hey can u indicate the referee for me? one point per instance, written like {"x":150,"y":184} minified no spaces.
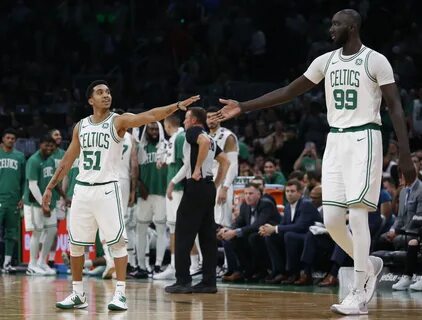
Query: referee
{"x":195,"y":214}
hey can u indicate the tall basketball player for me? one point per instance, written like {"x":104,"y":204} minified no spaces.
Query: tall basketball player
{"x":356,"y":79}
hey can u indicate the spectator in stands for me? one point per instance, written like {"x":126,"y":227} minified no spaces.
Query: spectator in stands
{"x":308,"y":159}
{"x":248,"y":245}
{"x":410,"y":204}
{"x":311,"y":180}
{"x":299,"y":214}
{"x":291,"y":149}
{"x":298,"y":175}
{"x":272,"y":176}
{"x":245,"y":169}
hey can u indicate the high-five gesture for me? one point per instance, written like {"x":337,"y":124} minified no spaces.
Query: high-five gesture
{"x":231,"y":109}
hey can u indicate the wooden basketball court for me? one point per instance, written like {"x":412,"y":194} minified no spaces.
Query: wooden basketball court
{"x":24,"y":297}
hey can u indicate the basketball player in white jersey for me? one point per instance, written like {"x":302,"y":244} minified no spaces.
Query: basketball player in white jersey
{"x":356,"y":79}
{"x":97,"y":199}
{"x":227,"y":141}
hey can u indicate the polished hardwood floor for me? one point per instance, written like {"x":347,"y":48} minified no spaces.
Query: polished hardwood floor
{"x":24,"y":297}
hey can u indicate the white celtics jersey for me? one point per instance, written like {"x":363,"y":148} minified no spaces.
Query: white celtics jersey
{"x":352,"y":85}
{"x":124,"y":166}
{"x":220,"y":137}
{"x":101,"y":151}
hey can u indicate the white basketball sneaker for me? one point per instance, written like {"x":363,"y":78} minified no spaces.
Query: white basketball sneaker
{"x":73,"y":301}
{"x":417,"y":286}
{"x":48,"y":271}
{"x":34,"y":270}
{"x":118,"y":303}
{"x":375,"y":266}
{"x":353,"y":304}
{"x":403,"y":284}
{"x":168,"y":274}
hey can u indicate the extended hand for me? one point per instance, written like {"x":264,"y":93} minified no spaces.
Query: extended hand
{"x":231,"y":109}
{"x":182,"y":105}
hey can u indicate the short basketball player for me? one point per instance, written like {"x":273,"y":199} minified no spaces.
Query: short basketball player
{"x":97,"y":199}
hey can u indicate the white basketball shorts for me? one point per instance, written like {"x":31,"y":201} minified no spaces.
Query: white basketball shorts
{"x":96,"y":207}
{"x":352,"y":169}
{"x":35,"y":219}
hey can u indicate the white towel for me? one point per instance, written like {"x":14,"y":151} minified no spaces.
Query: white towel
{"x":318,"y":228}
{"x":161,"y":146}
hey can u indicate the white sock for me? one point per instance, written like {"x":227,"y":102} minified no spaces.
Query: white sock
{"x":7,"y":260}
{"x":50,"y":233}
{"x":131,"y":238}
{"x":78,"y":287}
{"x":198,"y":247}
{"x":161,"y":229}
{"x":121,"y":287}
{"x":358,"y":221}
{"x":194,"y":261}
{"x":172,"y":261}
{"x":34,"y":247}
{"x":335,"y":222}
{"x":141,"y":240}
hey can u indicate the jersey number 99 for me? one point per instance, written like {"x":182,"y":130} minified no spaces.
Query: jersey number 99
{"x":345,"y":99}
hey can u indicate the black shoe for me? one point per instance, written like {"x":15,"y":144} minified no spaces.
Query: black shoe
{"x":179,"y":288}
{"x":204,"y":288}
{"x":50,"y":263}
{"x":130,"y":269}
{"x":139,"y":274}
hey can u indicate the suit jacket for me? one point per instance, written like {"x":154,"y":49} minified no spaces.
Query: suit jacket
{"x":305,"y":216}
{"x":413,"y":207}
{"x":266,"y":212}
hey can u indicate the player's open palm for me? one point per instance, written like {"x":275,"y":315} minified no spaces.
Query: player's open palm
{"x":186,"y":103}
{"x":231,"y":109}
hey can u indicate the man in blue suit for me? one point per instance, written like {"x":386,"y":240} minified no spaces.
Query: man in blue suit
{"x":299,"y":215}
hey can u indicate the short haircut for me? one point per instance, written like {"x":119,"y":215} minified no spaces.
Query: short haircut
{"x":272,"y":160}
{"x":297,"y":174}
{"x":9,"y":131}
{"x":257,"y":186}
{"x":47,"y":139}
{"x":295,"y":182}
{"x":200,"y":114}
{"x":90,"y":89}
{"x":354,"y":17}
{"x":173,"y":119}
{"x":212,"y":109}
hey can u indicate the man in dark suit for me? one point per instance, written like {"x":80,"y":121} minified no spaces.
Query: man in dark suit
{"x":299,"y":215}
{"x":248,"y":245}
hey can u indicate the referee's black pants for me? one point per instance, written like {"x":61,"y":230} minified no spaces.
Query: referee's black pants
{"x":195,"y":215}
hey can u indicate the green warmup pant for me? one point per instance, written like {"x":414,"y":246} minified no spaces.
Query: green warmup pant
{"x":9,"y":218}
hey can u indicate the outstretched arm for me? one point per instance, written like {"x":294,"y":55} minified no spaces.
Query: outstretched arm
{"x":129,"y":120}
{"x":395,"y":110}
{"x":233,"y":108}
